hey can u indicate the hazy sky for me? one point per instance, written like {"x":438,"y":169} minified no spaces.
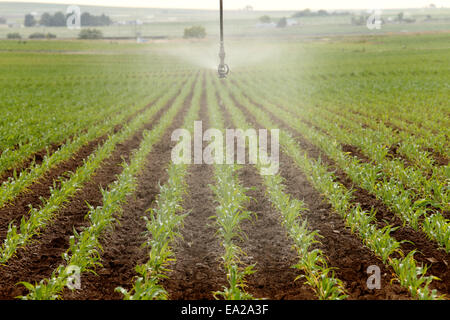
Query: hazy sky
{"x":257,"y":4}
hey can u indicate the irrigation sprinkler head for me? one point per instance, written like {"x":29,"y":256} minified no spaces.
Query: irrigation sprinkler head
{"x":223,"y":71}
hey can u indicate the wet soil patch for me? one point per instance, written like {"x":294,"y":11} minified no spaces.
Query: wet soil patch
{"x":37,"y":158}
{"x":269,"y":247}
{"x":267,"y":243}
{"x":197,"y":271}
{"x":440,"y":160}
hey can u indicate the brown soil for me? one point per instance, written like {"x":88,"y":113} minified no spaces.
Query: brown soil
{"x":440,"y":160}
{"x":393,"y":153}
{"x":37,"y":157}
{"x":41,"y":256}
{"x":438,"y":259}
{"x":267,"y":243}
{"x":343,"y":249}
{"x":122,"y":247}
{"x":269,"y":247}
{"x":428,"y":252}
{"x":41,"y":189}
{"x":355,"y":152}
{"x":197,"y":271}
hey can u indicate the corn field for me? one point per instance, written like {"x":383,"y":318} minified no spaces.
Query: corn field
{"x":89,"y":189}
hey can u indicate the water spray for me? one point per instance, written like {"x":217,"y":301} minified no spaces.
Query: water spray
{"x":223,"y":69}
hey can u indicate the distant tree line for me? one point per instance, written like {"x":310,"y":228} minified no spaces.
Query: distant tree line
{"x":14,"y":35}
{"x":198,"y":32}
{"x":60,"y":20}
{"x":265,"y":19}
{"x":400,"y":18}
{"x":282,"y":23}
{"x":88,"y":19}
{"x":39,"y":35}
{"x":90,"y":34}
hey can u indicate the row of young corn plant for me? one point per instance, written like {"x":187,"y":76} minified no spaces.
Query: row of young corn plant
{"x":411,"y":147}
{"x":163,"y":223}
{"x":85,"y":249}
{"x":310,"y":93}
{"x":391,"y":88}
{"x":18,"y":183}
{"x":73,"y":121}
{"x":312,"y":261}
{"x":375,"y":144}
{"x":39,"y":217}
{"x":402,"y":201}
{"x":431,"y":191}
{"x":231,"y":201}
{"x":425,"y":139}
{"x":401,"y":108}
{"x":408,"y":272}
{"x":370,"y":177}
{"x":425,"y":191}
{"x":403,"y":105}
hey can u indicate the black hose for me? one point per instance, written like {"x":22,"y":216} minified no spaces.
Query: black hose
{"x":221,"y":21}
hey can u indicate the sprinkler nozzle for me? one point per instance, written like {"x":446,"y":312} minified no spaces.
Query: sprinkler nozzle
{"x":223,"y":70}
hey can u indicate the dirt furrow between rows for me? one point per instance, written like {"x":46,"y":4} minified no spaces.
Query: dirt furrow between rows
{"x":197,"y":271}
{"x":38,"y":156}
{"x":43,"y":255}
{"x":267,"y":243}
{"x":122,"y":246}
{"x":41,"y":189}
{"x":428,"y":253}
{"x":269,"y":247}
{"x":392,"y":153}
{"x":343,"y":249}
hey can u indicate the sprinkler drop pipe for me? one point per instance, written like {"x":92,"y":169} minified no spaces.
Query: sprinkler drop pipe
{"x":223,"y":69}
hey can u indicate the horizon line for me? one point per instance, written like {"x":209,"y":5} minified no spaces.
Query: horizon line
{"x":209,"y":9}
